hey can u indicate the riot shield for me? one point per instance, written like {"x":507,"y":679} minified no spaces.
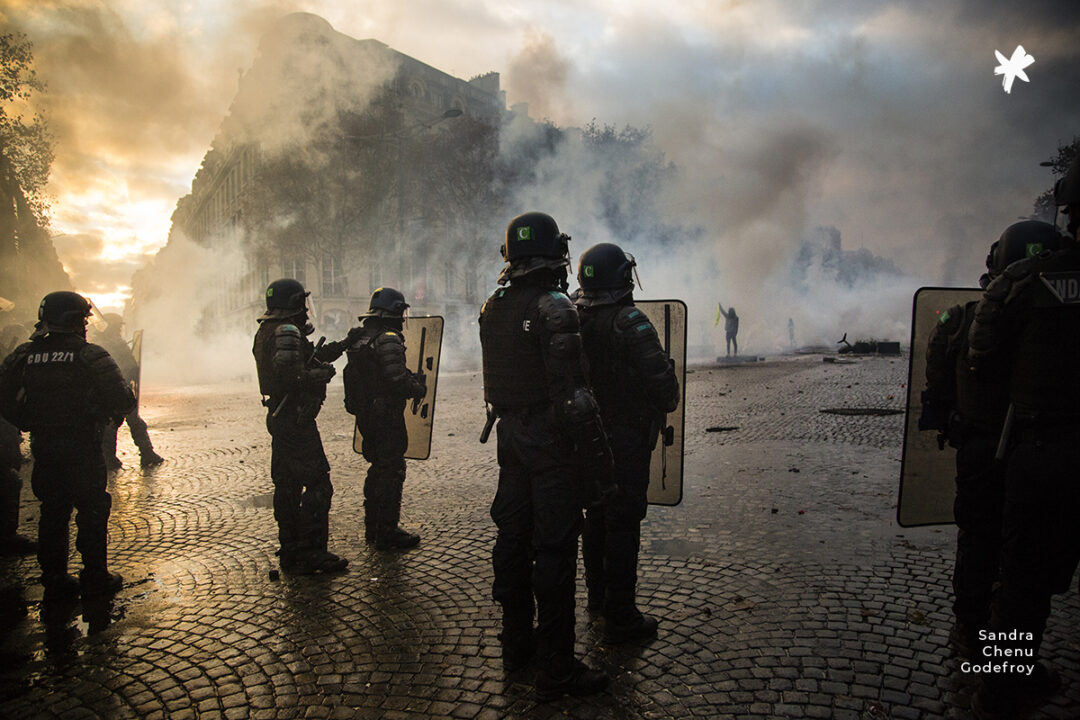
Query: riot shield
{"x":136,"y":350}
{"x":423,"y":343}
{"x":927,"y":473}
{"x":666,"y":463}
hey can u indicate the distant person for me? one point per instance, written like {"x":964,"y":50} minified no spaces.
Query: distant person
{"x":791,"y":332}
{"x":63,"y":390}
{"x":112,"y":339}
{"x":731,"y":328}
{"x":377,"y":386}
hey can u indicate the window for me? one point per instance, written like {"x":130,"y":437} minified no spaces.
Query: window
{"x":333,"y":282}
{"x":294,"y":268}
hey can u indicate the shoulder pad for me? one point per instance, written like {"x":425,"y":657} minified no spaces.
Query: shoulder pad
{"x":16,"y":357}
{"x":950,"y":320}
{"x":287,"y":329}
{"x":557,"y":312}
{"x":631,"y":320}
{"x":388,"y":337}
{"x":1019,"y":269}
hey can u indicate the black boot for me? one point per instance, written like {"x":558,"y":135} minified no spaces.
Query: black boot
{"x":95,"y":581}
{"x":396,"y":538}
{"x":639,"y":628}
{"x":579,"y":680}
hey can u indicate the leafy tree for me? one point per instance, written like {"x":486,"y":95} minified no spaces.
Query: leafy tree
{"x":29,"y":267}
{"x":1044,"y":208}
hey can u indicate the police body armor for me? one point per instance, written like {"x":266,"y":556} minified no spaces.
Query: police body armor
{"x":1045,"y":381}
{"x":65,"y":382}
{"x":282,"y":354}
{"x":620,"y":343}
{"x":376,"y":377}
{"x":514,"y":371}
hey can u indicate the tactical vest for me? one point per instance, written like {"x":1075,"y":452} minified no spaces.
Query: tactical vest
{"x":1045,"y":380}
{"x":513,"y":358}
{"x":58,"y":387}
{"x":618,"y":392}
{"x":263,"y":350}
{"x":363,"y":375}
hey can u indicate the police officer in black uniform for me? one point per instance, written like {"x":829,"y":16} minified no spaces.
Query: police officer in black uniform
{"x":112,"y":339}
{"x":63,"y":390}
{"x":635,"y":386}
{"x":11,"y":459}
{"x":1031,"y":316}
{"x":293,"y":375}
{"x":377,"y":386}
{"x":968,"y":410}
{"x":549,"y":424}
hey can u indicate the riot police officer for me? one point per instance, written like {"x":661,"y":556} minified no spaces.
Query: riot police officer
{"x":548,"y":424}
{"x":377,"y":386}
{"x":63,"y":390}
{"x":293,"y":375}
{"x":635,"y":386}
{"x":11,"y":459}
{"x":112,"y":339}
{"x":1030,"y":315}
{"x":969,"y":410}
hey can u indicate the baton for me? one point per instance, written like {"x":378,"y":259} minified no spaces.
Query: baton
{"x":1006,"y":431}
{"x":486,"y":432}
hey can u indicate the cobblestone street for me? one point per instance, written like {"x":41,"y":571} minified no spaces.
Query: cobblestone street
{"x":784,"y":586}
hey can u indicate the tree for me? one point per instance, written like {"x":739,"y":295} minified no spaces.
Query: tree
{"x":29,"y":266}
{"x":1044,"y":208}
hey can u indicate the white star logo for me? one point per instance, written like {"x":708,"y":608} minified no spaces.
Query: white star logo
{"x":1013,"y":67}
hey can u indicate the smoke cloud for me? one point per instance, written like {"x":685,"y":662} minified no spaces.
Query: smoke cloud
{"x":882,"y":120}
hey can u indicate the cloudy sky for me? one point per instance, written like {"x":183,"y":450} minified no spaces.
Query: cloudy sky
{"x":883,"y":119}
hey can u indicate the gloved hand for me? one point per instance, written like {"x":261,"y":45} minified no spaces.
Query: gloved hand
{"x":419,"y":386}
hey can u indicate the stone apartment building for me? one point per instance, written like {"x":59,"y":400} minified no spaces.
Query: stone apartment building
{"x":349,"y":134}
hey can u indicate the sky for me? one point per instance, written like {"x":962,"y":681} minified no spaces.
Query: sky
{"x":884,"y":120}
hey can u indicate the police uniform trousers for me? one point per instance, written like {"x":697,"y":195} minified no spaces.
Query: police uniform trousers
{"x":1041,"y":528}
{"x":69,"y":473}
{"x":139,"y":435}
{"x":537,"y":510}
{"x":980,"y":493}
{"x":302,"y":489}
{"x":612,"y":533}
{"x":385,"y":442}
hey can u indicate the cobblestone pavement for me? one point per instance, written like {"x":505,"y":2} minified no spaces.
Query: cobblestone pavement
{"x":785,"y":587}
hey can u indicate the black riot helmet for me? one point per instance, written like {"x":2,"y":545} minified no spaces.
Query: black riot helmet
{"x":386,"y":302}
{"x":285,"y":298}
{"x":63,"y":312}
{"x":533,"y":242}
{"x":605,"y":274}
{"x":1021,"y":240}
{"x":115,"y":323}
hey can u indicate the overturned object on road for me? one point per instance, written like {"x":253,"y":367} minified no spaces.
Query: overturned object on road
{"x":868,"y":347}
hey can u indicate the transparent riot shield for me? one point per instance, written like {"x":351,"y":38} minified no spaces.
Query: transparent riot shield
{"x":423,"y":343}
{"x":136,"y":350}
{"x":927,"y":473}
{"x":666,"y":464}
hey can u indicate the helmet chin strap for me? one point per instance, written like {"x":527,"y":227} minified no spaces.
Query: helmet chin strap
{"x":637,"y":277}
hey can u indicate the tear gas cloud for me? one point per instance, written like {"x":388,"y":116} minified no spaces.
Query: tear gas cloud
{"x":883,"y":121}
